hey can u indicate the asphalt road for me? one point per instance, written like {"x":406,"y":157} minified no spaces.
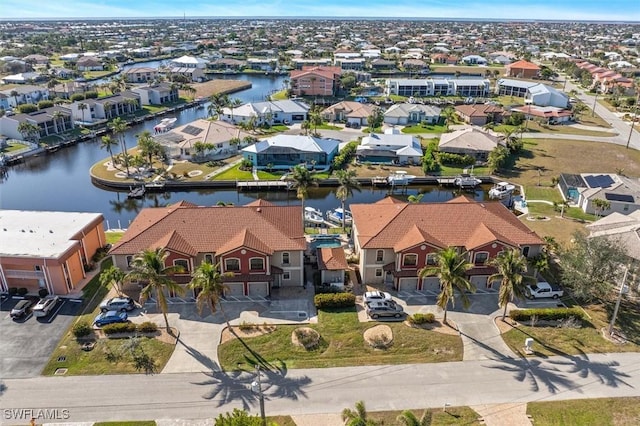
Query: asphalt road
{"x":312,"y":391}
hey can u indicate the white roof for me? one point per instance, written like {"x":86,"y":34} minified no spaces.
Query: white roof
{"x":189,"y":60}
{"x":40,"y":233}
{"x":400,"y":144}
{"x":300,"y":143}
{"x":471,"y":138}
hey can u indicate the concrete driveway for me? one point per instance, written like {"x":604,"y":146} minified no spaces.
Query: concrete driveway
{"x":27,"y":344}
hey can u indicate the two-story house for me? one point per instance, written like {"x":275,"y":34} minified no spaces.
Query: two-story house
{"x":395,"y":239}
{"x":262,"y":245}
{"x":312,"y":81}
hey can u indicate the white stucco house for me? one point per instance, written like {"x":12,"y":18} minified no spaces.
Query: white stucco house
{"x":391,"y":147}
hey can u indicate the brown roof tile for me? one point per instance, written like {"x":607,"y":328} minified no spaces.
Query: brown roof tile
{"x":332,"y":259}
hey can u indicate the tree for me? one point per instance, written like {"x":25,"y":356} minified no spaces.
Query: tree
{"x":107,"y":142}
{"x":375,"y":120}
{"x":591,"y":266}
{"x":407,"y":418}
{"x":113,"y":275}
{"x":347,"y":183}
{"x":149,"y":267}
{"x":208,"y":280}
{"x":58,"y":116}
{"x":119,"y":126}
{"x":15,"y":94}
{"x":357,"y":417}
{"x":497,"y":158}
{"x":601,"y":205}
{"x":301,"y":179}
{"x":148,"y":146}
{"x":451,"y":269}
{"x":449,"y":115}
{"x":415,"y":199}
{"x":511,"y":266}
{"x":29,"y":131}
{"x":82,"y":107}
{"x":239,"y":418}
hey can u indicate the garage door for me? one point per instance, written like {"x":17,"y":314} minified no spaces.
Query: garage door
{"x":408,"y":284}
{"x":431,"y":284}
{"x":480,"y":281}
{"x":235,"y":289}
{"x":259,"y":289}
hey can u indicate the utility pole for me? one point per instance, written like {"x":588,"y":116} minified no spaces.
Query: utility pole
{"x":257,"y":387}
{"x":595,"y":100}
{"x":633,"y":119}
{"x":615,"y":310}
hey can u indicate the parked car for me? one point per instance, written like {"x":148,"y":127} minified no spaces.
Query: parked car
{"x":542,"y":290}
{"x":22,"y":308}
{"x":110,"y":317}
{"x":379,"y":309}
{"x":45,"y":306}
{"x":371,"y":296}
{"x":118,"y":304}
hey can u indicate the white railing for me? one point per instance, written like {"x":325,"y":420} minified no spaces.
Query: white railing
{"x":17,"y":273}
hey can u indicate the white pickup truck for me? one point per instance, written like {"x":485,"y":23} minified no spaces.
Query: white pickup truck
{"x":543,"y":289}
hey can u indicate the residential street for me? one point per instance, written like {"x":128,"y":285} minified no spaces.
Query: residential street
{"x":204,"y":395}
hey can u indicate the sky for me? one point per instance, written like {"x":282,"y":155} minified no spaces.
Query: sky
{"x":572,"y":10}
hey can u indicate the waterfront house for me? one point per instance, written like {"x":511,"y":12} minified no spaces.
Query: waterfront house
{"x":69,"y":88}
{"x":315,"y":81}
{"x":407,"y":114}
{"x":474,"y":60}
{"x":272,"y":112}
{"x":220,"y":140}
{"x":332,"y":264}
{"x":262,"y":64}
{"x":472,"y":141}
{"x":26,"y":94}
{"x":533,"y":93}
{"x":549,"y":115}
{"x":262,"y":245}
{"x":469,"y":87}
{"x":522,"y":69}
{"x":286,"y":151}
{"x":23,"y":78}
{"x":36,"y":59}
{"x":140,"y":74}
{"x":394,"y":240}
{"x":188,"y":62}
{"x":227,"y":65}
{"x":353,"y":113}
{"x":50,"y":121}
{"x":106,"y":108}
{"x":89,"y":63}
{"x":621,"y":192}
{"x":48,"y":250}
{"x":157,"y":94}
{"x":481,"y":114}
{"x":392,"y":147}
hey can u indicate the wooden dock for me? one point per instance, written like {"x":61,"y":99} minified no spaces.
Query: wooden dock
{"x":262,"y":185}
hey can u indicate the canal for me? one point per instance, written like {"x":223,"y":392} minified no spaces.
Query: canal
{"x":61,"y":182}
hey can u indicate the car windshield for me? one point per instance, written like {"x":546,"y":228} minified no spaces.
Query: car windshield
{"x":534,"y":287}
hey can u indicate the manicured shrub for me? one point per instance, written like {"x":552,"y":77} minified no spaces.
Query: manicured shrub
{"x":45,"y":104}
{"x":421,"y":318}
{"x":91,"y":95}
{"x":27,"y":108}
{"x":43,"y":292}
{"x":120,"y":327}
{"x":22,"y":291}
{"x":546,"y":314}
{"x":247,"y":326}
{"x":81,"y":329}
{"x":334,"y":300}
{"x":147,"y":327}
{"x":77,"y":97}
{"x":345,"y":156}
{"x":13,"y":291}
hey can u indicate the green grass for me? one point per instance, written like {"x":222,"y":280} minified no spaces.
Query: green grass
{"x":342,"y":345}
{"x":325,"y":126}
{"x":322,"y":175}
{"x":453,"y":416}
{"x":13,"y":146}
{"x":95,"y":74}
{"x":601,"y":412}
{"x":454,"y":171}
{"x":429,"y":128}
{"x":127,"y":423}
{"x":234,"y":173}
{"x":113,"y":237}
{"x":534,"y":192}
{"x":279,"y":96}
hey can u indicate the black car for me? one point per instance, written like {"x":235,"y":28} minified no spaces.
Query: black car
{"x":22,"y":308}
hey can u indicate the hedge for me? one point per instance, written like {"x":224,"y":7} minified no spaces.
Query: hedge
{"x":120,"y":327}
{"x":147,"y":327}
{"x":81,"y":329}
{"x":334,"y":300}
{"x":345,"y":156}
{"x":548,"y":314}
{"x":422,"y":318}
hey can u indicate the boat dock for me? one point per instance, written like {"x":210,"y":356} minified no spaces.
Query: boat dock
{"x":446,"y":180}
{"x":262,"y":184}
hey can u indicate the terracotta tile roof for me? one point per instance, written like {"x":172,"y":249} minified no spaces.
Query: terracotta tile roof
{"x":332,"y":259}
{"x":194,"y":229}
{"x":479,"y":110}
{"x":244,"y":238}
{"x":525,"y":65}
{"x":259,"y":203}
{"x":459,"y":222}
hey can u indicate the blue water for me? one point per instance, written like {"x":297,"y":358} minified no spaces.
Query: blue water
{"x":326,"y":242}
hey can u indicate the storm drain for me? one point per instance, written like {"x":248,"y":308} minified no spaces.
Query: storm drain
{"x":60,"y":372}
{"x":62,"y":358}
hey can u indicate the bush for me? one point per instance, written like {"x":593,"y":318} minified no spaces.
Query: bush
{"x":27,"y":108}
{"x":147,"y":327}
{"x":77,"y":97}
{"x":334,"y":300}
{"x":247,"y":326}
{"x":43,"y":292}
{"x":546,"y":314}
{"x":81,"y":329}
{"x":91,"y":95}
{"x":455,"y":159}
{"x":45,"y":104}
{"x":417,"y":319}
{"x":13,"y":291}
{"x":22,"y":291}
{"x":345,"y":156}
{"x":120,"y":327}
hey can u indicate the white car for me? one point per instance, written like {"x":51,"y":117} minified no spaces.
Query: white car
{"x":542,"y":290}
{"x":44,"y":306}
{"x":376,"y":296}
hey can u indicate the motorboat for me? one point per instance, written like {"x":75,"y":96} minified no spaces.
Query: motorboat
{"x":338,"y":214}
{"x":137,"y":192}
{"x":466,"y":180}
{"x":156,"y":185}
{"x":501,"y":190}
{"x":313,"y":216}
{"x":165,"y":125}
{"x":400,"y":177}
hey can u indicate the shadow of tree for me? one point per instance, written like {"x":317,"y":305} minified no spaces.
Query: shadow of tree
{"x":603,"y":371}
{"x":200,"y":357}
{"x":536,"y":373}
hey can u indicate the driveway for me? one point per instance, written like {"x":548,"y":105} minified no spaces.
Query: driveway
{"x":27,"y":344}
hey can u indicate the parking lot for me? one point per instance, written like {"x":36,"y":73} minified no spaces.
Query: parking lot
{"x":27,"y":343}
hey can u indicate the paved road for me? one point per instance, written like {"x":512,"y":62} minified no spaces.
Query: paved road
{"x":204,"y":395}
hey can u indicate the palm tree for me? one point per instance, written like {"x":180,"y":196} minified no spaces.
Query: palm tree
{"x":119,"y":126}
{"x":347,"y":183}
{"x":415,"y":199}
{"x":58,"y":115}
{"x":15,"y":94}
{"x":149,"y":266}
{"x":301,"y":179}
{"x":107,"y":142}
{"x":29,"y":131}
{"x":113,"y":275}
{"x":357,"y":417}
{"x":601,"y":205}
{"x":148,"y":146}
{"x":449,"y":115}
{"x":209,"y":281}
{"x":82,"y":107}
{"x":451,"y":268}
{"x":407,"y":418}
{"x":511,"y":266}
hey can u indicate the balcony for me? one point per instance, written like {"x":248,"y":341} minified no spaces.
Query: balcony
{"x":23,"y":274}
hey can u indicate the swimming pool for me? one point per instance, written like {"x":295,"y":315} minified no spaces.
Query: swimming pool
{"x":325,"y":242}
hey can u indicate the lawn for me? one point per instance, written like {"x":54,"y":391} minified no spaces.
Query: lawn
{"x":601,"y":412}
{"x":113,"y":237}
{"x":574,"y":341}
{"x":234,"y":173}
{"x":342,"y":345}
{"x":429,"y":128}
{"x":325,"y":126}
{"x":13,"y":146}
{"x":453,"y":416}
{"x":534,"y":127}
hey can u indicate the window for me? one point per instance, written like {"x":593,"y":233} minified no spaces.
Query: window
{"x":286,"y":275}
{"x":232,"y":264}
{"x":481,"y":258}
{"x":208,"y":258}
{"x":432,"y":259}
{"x":379,"y":256}
{"x":129,"y":260}
{"x":525,"y":251}
{"x":410,"y":260}
{"x":183,"y":263}
{"x":256,"y":264}
{"x":285,"y":258}
{"x":37,"y":268}
{"x":378,"y":272}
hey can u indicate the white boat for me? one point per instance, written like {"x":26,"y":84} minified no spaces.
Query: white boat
{"x":501,"y":190}
{"x":336,"y":216}
{"x":466,"y":180}
{"x":165,"y":125}
{"x":312,"y":215}
{"x":400,"y":178}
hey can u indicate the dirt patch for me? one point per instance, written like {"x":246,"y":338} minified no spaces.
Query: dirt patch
{"x":162,"y":335}
{"x":507,"y":325}
{"x":258,"y":330}
{"x":211,"y":87}
{"x":305,"y":337}
{"x":451,"y":328}
{"x":379,"y":336}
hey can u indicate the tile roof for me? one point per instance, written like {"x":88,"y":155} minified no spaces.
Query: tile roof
{"x":523,"y":65}
{"x":191,"y":229}
{"x":332,"y":259}
{"x":459,"y":222}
